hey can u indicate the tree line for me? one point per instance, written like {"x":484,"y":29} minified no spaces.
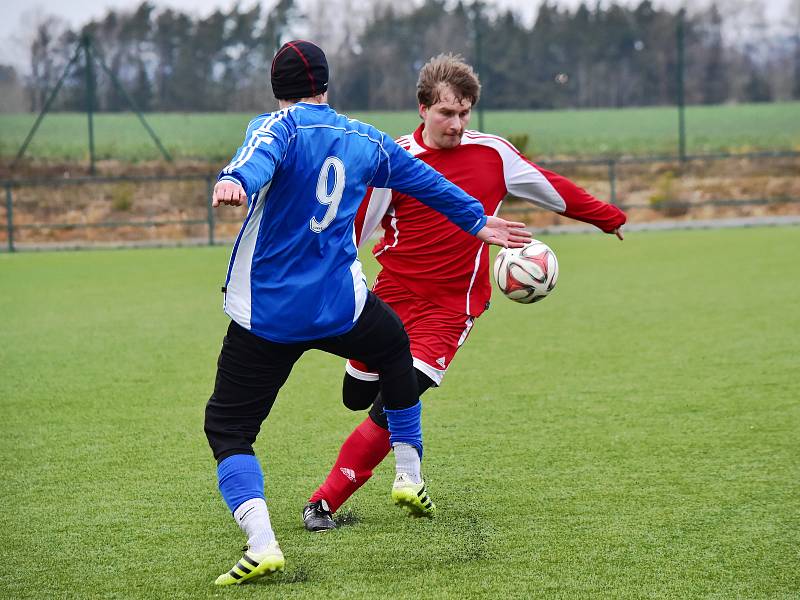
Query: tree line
{"x":592,"y":56}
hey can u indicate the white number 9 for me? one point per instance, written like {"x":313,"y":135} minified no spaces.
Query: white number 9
{"x":323,"y":197}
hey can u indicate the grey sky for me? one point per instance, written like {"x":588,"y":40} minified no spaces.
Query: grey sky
{"x":18,"y":16}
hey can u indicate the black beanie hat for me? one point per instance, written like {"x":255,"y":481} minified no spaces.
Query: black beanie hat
{"x":299,"y":70}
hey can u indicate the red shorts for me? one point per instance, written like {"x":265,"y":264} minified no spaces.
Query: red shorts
{"x":436,"y":333}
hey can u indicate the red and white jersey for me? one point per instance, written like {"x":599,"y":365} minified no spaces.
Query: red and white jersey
{"x":435,"y":259}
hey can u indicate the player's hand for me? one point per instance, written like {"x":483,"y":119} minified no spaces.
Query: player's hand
{"x":618,"y":232}
{"x":228,"y":192}
{"x":508,"y":234}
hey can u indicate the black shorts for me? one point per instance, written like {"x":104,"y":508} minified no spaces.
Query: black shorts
{"x":251,"y":370}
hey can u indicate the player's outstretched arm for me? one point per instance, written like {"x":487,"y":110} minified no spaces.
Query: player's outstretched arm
{"x":555,"y":192}
{"x":228,"y":192}
{"x":508,"y":234}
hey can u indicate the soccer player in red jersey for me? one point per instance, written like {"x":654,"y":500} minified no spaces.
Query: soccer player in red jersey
{"x":435,"y":276}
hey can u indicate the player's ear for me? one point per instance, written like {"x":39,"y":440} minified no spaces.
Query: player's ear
{"x":423,"y":111}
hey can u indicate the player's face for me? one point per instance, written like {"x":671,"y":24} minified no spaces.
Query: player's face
{"x":445,"y":121}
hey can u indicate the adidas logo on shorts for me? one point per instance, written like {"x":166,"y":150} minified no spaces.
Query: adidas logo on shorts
{"x":440,"y":362}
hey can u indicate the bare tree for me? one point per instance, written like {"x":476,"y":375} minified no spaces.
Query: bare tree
{"x":12,"y":92}
{"x":48,"y":57}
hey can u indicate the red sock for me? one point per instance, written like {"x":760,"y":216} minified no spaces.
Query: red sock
{"x":361,"y":452}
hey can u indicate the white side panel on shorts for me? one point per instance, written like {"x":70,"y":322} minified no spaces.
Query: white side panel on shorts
{"x":436,"y":375}
{"x":468,"y":325}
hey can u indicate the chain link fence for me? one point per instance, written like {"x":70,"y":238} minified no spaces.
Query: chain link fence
{"x":173,"y":210}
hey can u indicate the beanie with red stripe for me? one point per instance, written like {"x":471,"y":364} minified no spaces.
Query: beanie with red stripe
{"x":299,"y":70}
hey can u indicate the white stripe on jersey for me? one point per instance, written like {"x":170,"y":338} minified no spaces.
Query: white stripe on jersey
{"x":359,"y":283}
{"x":256,"y":138}
{"x":469,"y":322}
{"x":238,"y":303}
{"x":477,"y":267}
{"x":377,"y":205}
{"x":348,"y":131}
{"x":380,"y":200}
{"x":364,"y":135}
{"x":523,"y":179}
{"x":404,"y":142}
{"x":474,"y":274}
{"x":413,"y":147}
{"x":359,"y":287}
{"x":393,"y":225}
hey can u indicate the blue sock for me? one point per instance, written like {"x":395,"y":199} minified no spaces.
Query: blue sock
{"x":405,"y":425}
{"x":240,"y":479}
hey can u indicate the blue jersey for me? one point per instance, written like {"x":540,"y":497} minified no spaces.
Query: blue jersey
{"x":294,"y":273}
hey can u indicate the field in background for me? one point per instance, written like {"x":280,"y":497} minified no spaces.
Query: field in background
{"x":639,"y":131}
{"x":634,"y":435}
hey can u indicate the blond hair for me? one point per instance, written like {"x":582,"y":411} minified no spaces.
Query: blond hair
{"x":447,"y":70}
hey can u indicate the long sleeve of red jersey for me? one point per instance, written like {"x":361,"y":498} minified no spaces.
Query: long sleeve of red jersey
{"x":550,"y":190}
{"x":582,"y":206}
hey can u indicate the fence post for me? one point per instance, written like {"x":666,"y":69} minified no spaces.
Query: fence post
{"x":680,"y":42}
{"x":10,"y":217}
{"x":209,"y":192}
{"x":87,"y":51}
{"x":476,"y":24}
{"x":612,"y":180}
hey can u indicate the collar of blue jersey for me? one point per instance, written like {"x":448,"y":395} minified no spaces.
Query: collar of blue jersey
{"x":312,"y":104}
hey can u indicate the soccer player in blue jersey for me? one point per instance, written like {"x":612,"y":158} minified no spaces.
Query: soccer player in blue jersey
{"x":295,"y":283}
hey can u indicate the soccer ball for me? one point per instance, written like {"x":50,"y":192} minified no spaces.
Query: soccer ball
{"x":526,"y":274}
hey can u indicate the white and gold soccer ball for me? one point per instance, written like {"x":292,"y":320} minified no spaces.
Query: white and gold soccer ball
{"x":526,"y":274}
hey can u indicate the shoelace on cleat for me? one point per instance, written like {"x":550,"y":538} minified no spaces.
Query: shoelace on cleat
{"x":317,"y":509}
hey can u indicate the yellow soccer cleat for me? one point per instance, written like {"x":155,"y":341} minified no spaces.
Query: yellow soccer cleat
{"x":254,"y":564}
{"x":412,"y":496}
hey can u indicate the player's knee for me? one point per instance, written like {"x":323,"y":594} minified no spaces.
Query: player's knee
{"x":227,"y":434}
{"x":399,"y":344}
{"x":211,"y":422}
{"x":378,"y":416}
{"x":358,"y":394}
{"x":424,"y":382}
{"x":398,"y":362}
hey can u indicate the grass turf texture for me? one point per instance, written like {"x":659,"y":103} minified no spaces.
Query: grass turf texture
{"x":641,"y":131}
{"x":634,"y":435}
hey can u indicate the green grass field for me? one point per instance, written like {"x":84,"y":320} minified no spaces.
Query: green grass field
{"x":633,"y":436}
{"x":639,"y":131}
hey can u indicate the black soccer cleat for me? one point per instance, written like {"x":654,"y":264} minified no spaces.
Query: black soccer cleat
{"x":317,"y":516}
